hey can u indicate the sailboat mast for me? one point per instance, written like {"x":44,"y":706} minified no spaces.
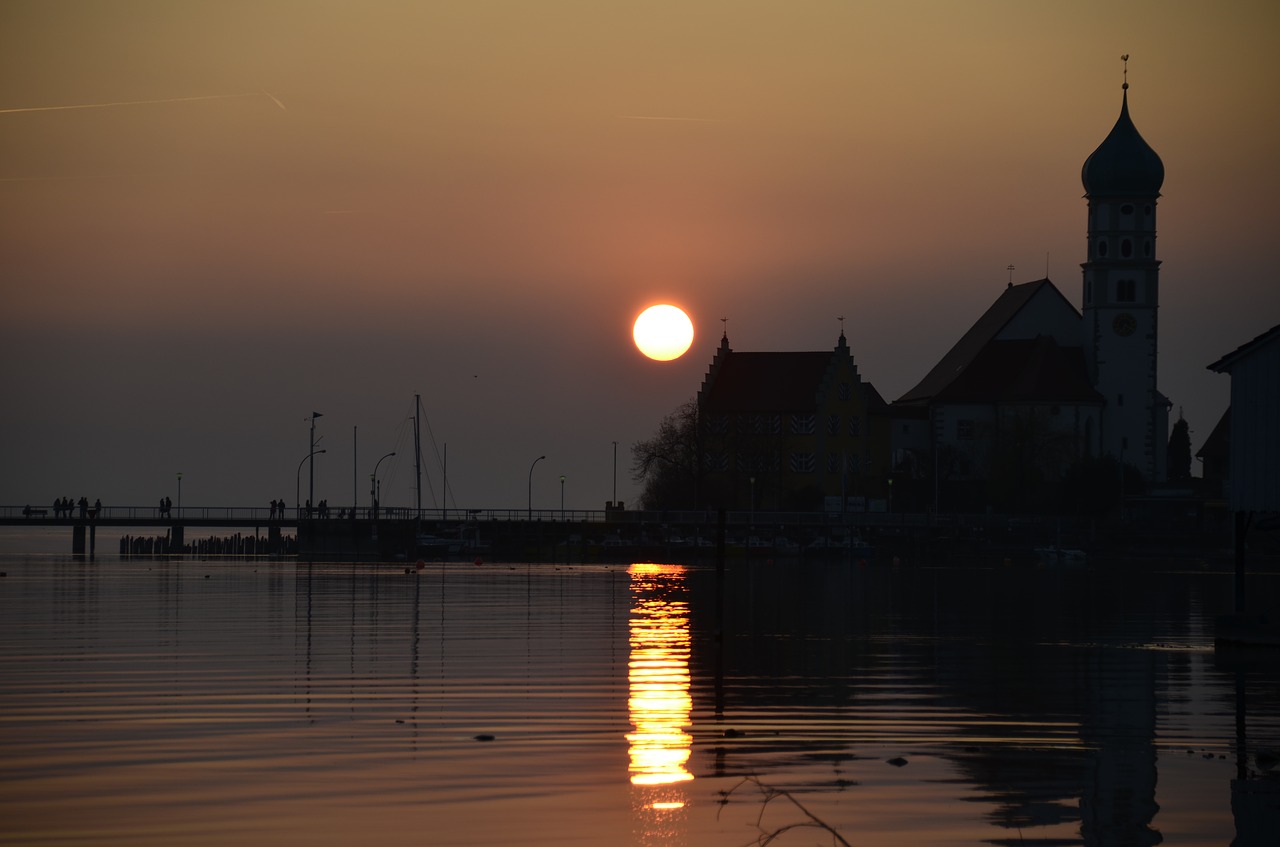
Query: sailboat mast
{"x":417,"y":450}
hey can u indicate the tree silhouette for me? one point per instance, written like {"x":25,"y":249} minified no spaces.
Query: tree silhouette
{"x":667,"y":464}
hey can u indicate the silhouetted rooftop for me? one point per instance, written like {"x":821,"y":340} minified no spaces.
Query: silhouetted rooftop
{"x":1249,"y":347}
{"x":756,"y":382}
{"x":972,"y":343}
{"x":1023,"y":371}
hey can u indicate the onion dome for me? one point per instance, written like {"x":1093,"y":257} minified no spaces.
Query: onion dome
{"x":1124,"y":165}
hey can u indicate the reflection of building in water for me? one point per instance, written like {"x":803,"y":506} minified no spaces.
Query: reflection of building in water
{"x":660,"y":703}
{"x":1047,"y":708}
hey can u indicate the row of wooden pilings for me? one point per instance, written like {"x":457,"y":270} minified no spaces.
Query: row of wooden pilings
{"x":233,"y":545}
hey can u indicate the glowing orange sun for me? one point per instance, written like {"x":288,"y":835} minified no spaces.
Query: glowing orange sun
{"x":663,"y":332}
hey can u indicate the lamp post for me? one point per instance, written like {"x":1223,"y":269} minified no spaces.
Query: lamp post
{"x":375,"y":493}
{"x":179,"y":493}
{"x":615,"y":474}
{"x":535,"y":461}
{"x":561,"y":498}
{"x":311,"y":471}
{"x":297,"y":481}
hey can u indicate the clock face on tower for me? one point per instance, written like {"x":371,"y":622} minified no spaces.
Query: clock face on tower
{"x":1124,"y":324}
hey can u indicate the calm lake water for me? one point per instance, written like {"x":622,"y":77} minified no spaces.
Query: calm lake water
{"x":153,"y":702}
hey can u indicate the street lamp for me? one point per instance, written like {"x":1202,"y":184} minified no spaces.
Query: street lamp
{"x":615,"y":474}
{"x":297,"y":481}
{"x":375,"y":493}
{"x":179,"y":493}
{"x":561,"y":498}
{"x":311,"y":483}
{"x":535,"y":461}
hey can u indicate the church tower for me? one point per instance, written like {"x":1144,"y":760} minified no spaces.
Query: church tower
{"x":1122,"y":181}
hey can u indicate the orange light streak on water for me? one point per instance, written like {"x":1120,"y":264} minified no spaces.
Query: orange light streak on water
{"x":658,"y":672}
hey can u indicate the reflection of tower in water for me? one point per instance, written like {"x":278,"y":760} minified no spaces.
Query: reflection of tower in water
{"x":660,"y":703}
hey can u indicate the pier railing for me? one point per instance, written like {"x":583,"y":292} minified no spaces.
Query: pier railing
{"x":264,"y":515}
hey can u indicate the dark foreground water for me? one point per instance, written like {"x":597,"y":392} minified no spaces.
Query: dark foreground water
{"x":256,"y":703}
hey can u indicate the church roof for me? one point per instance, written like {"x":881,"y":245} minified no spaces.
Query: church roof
{"x":1034,"y":370}
{"x":972,"y":343}
{"x":1124,"y":165}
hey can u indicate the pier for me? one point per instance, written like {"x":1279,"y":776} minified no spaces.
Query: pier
{"x":433,"y":533}
{"x":613,"y":534}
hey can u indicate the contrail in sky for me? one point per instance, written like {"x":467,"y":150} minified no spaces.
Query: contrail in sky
{"x":667,"y":118}
{"x":263,"y":93}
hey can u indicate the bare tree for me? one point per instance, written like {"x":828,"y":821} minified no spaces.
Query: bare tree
{"x":667,"y":464}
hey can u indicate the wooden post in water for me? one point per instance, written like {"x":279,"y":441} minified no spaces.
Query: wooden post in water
{"x":1242,"y":529}
{"x":720,"y":531}
{"x":718,"y":693}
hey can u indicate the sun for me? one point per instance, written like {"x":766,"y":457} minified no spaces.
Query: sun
{"x":663,"y":332}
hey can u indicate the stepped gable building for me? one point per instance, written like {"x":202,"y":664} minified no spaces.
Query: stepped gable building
{"x":791,"y":431}
{"x":1035,"y":385}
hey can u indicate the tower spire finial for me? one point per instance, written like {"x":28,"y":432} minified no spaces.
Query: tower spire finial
{"x":841,"y":319}
{"x":1125,"y":58}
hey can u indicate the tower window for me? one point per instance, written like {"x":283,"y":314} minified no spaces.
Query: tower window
{"x":1088,"y":292}
{"x":1126,"y":209}
{"x":1126,"y":290}
{"x":1102,"y":247}
{"x":1146,"y":248}
{"x":1126,"y":248}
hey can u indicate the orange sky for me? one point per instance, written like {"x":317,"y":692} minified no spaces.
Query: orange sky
{"x":473,"y":200}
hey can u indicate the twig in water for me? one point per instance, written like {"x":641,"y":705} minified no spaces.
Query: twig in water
{"x":768,"y":836}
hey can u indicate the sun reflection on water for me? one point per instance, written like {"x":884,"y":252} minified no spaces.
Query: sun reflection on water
{"x":660,"y":703}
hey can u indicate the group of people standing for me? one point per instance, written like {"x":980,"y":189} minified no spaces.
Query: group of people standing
{"x":63,"y":507}
{"x":166,"y":507}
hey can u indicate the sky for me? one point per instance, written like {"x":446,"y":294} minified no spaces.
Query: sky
{"x":217,"y":218}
